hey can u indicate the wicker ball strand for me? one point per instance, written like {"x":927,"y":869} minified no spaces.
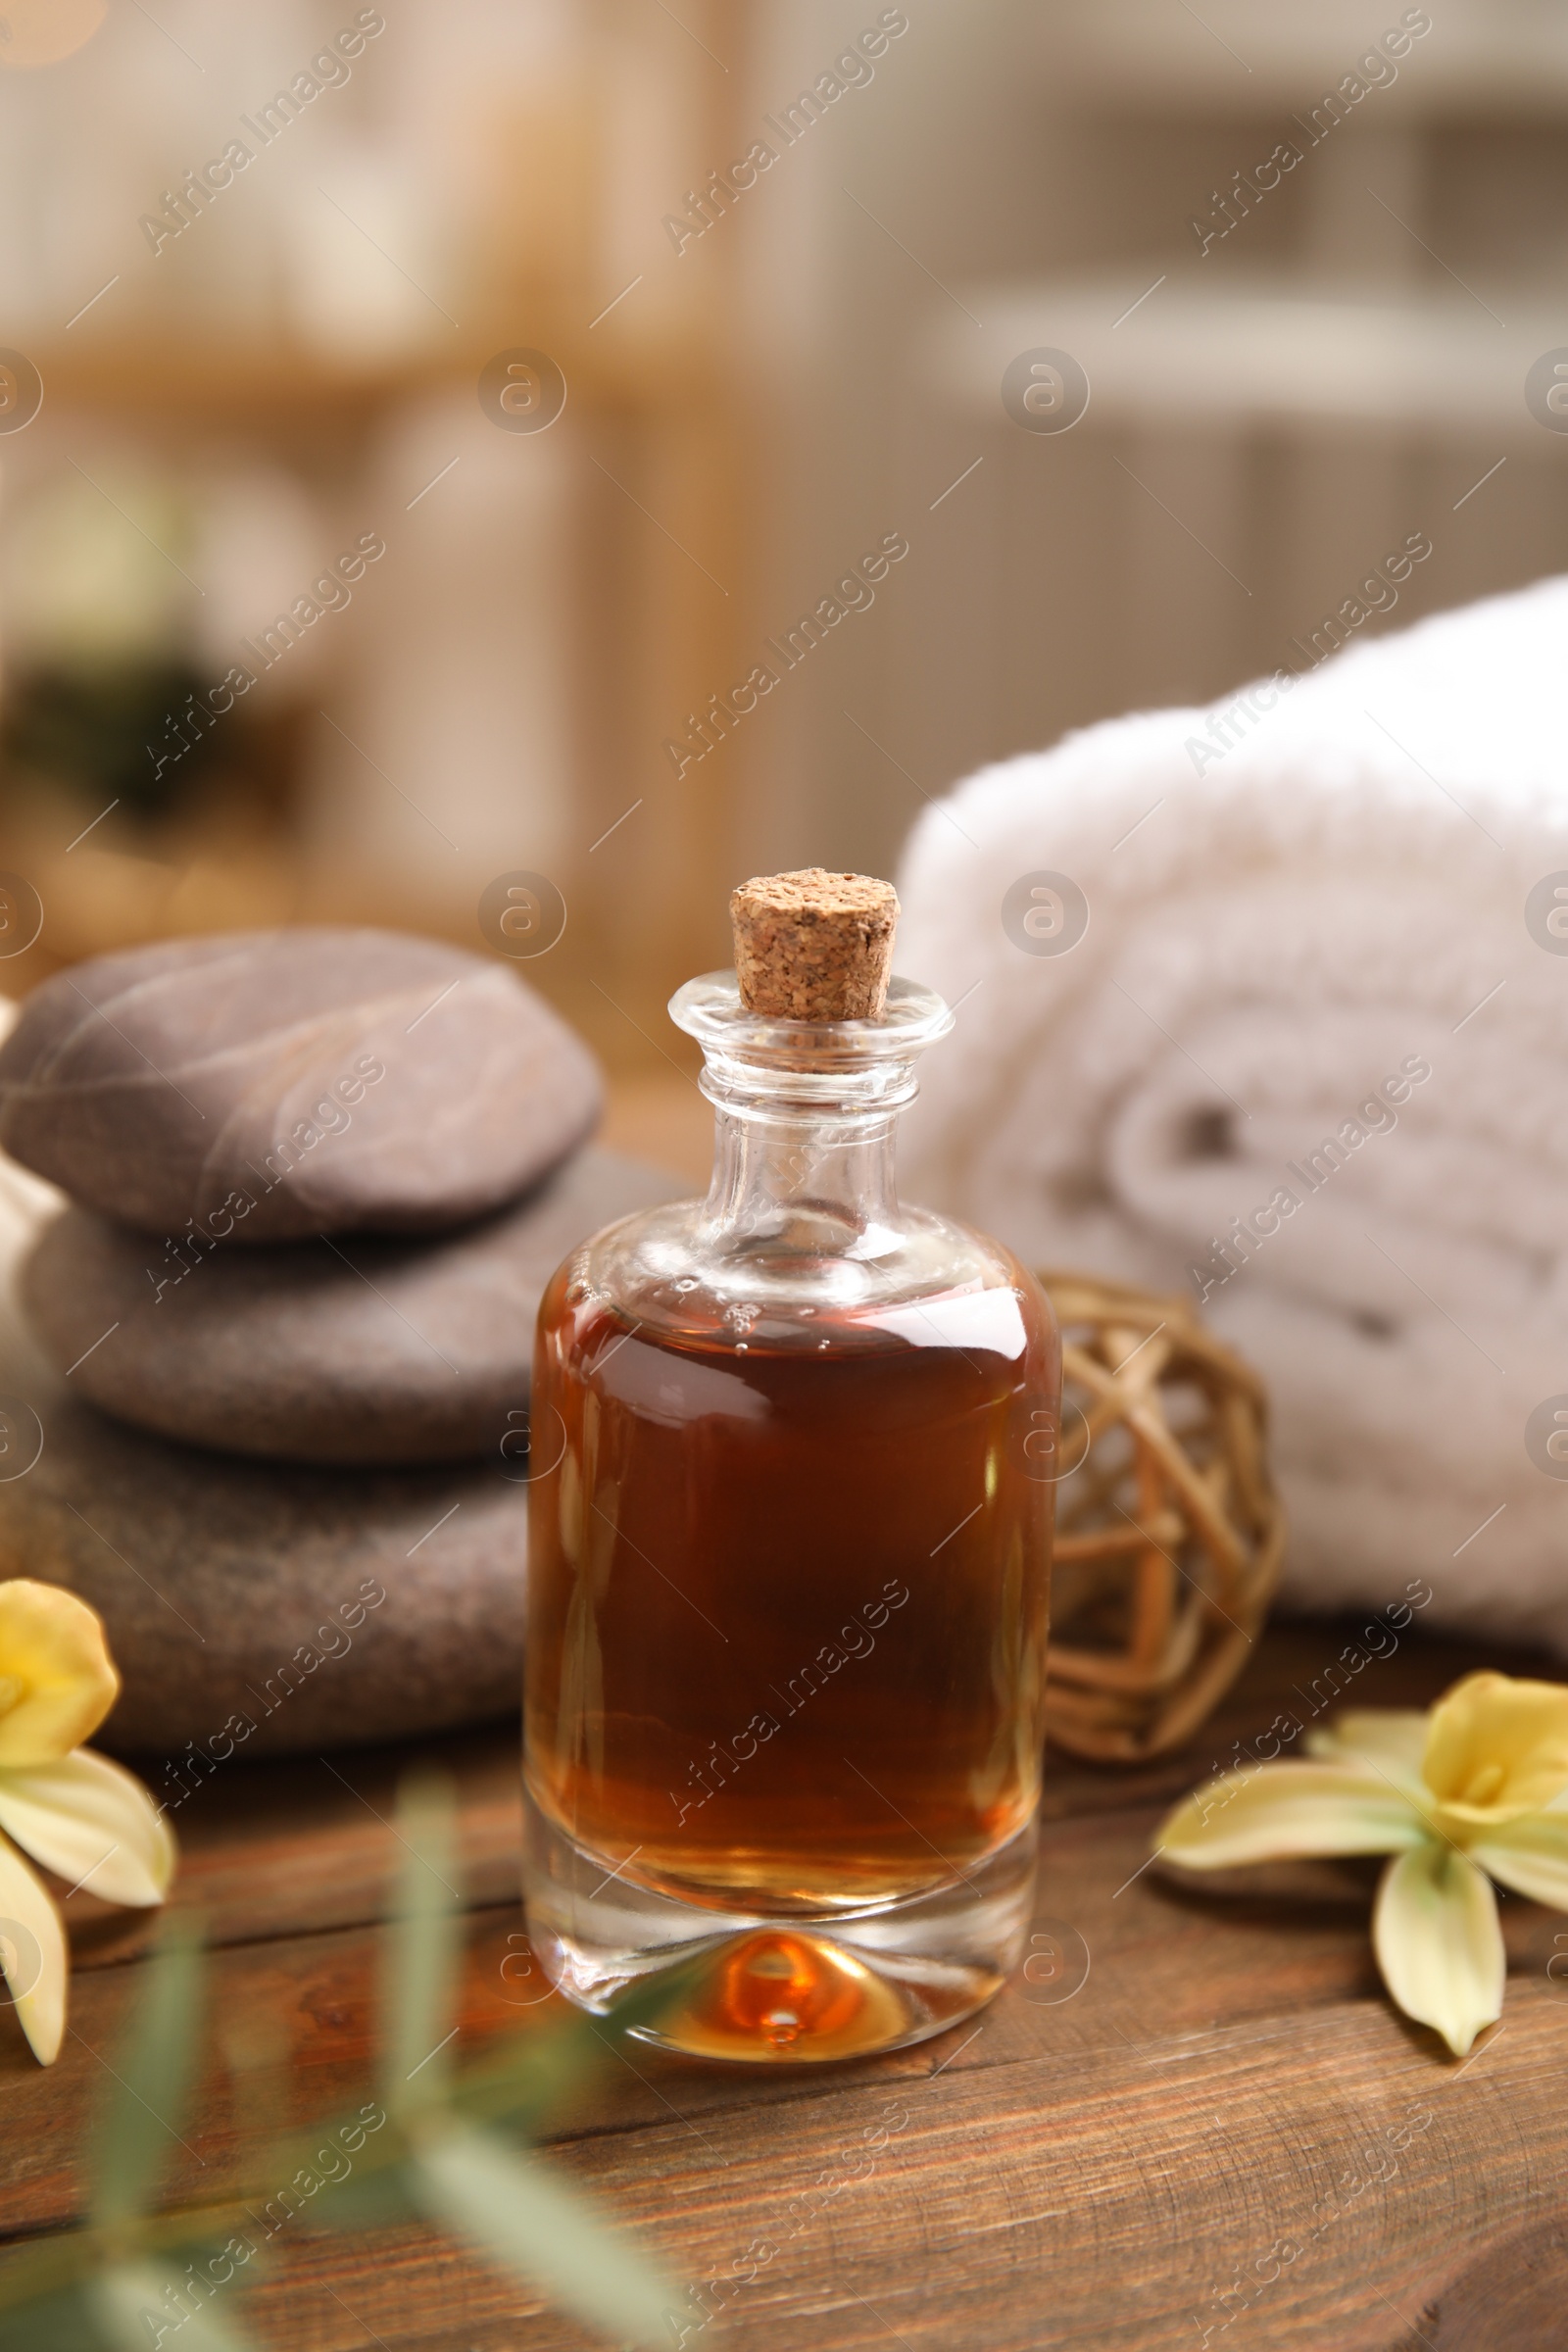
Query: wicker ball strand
{"x":1169,"y":1532}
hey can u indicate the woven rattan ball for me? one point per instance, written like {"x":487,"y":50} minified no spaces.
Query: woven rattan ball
{"x":1169,"y":1532}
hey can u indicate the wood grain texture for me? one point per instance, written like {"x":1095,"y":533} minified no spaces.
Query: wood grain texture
{"x":1221,"y":2134}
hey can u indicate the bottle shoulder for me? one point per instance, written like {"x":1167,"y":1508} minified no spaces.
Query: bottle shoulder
{"x":918,"y":1276}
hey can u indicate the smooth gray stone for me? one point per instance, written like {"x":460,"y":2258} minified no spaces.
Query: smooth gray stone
{"x":266,"y":1085}
{"x":218,"y":1579}
{"x":355,"y":1350}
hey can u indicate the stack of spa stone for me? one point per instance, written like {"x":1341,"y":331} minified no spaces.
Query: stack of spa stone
{"x":317,"y":1181}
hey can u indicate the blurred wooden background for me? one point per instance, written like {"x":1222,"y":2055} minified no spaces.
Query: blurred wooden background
{"x":495,"y":696}
{"x":749,"y":411}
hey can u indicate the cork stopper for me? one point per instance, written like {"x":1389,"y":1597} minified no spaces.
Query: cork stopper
{"x":815,"y":946}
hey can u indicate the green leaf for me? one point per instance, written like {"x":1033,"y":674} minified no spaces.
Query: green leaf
{"x":145,"y":2304}
{"x":424,"y":1961}
{"x":152,"y":2075}
{"x":62,"y":2322}
{"x":377,"y":2200}
{"x":47,"y":2271}
{"x":527,"y":2219}
{"x":1435,"y":1933}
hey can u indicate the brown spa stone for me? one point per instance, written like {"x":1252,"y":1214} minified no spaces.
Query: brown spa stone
{"x":236,"y":1593}
{"x":266,"y":1085}
{"x":362,"y":1349}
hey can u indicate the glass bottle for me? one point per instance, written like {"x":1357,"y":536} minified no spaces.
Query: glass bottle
{"x":790,"y":1531}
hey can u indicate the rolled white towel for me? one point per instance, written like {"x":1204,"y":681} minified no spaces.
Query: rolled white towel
{"x":1309,"y":923}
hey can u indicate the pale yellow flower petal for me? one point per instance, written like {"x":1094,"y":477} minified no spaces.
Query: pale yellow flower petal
{"x":1397,"y":1737}
{"x":1437,"y":1941}
{"x":1498,"y":1748}
{"x":93,"y":1824}
{"x":1285,"y":1810}
{"x":56,"y":1679}
{"x":32,"y":1954}
{"x":1530,"y":1855}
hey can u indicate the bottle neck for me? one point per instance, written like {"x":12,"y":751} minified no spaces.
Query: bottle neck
{"x":805,"y":1115}
{"x":815,"y":1185}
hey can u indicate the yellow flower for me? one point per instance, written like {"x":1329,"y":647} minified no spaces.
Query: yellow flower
{"x":1473,"y":1790}
{"x":85,"y":1818}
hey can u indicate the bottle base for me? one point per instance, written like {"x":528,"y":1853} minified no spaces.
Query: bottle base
{"x":768,"y":1990}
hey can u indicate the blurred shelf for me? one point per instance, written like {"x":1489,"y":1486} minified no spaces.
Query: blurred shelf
{"x":1507,"y":56}
{"x":1262,"y":352}
{"x":503,"y":187}
{"x":671,"y":365}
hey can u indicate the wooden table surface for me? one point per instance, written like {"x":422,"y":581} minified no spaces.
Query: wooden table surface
{"x":1224,"y":2134}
